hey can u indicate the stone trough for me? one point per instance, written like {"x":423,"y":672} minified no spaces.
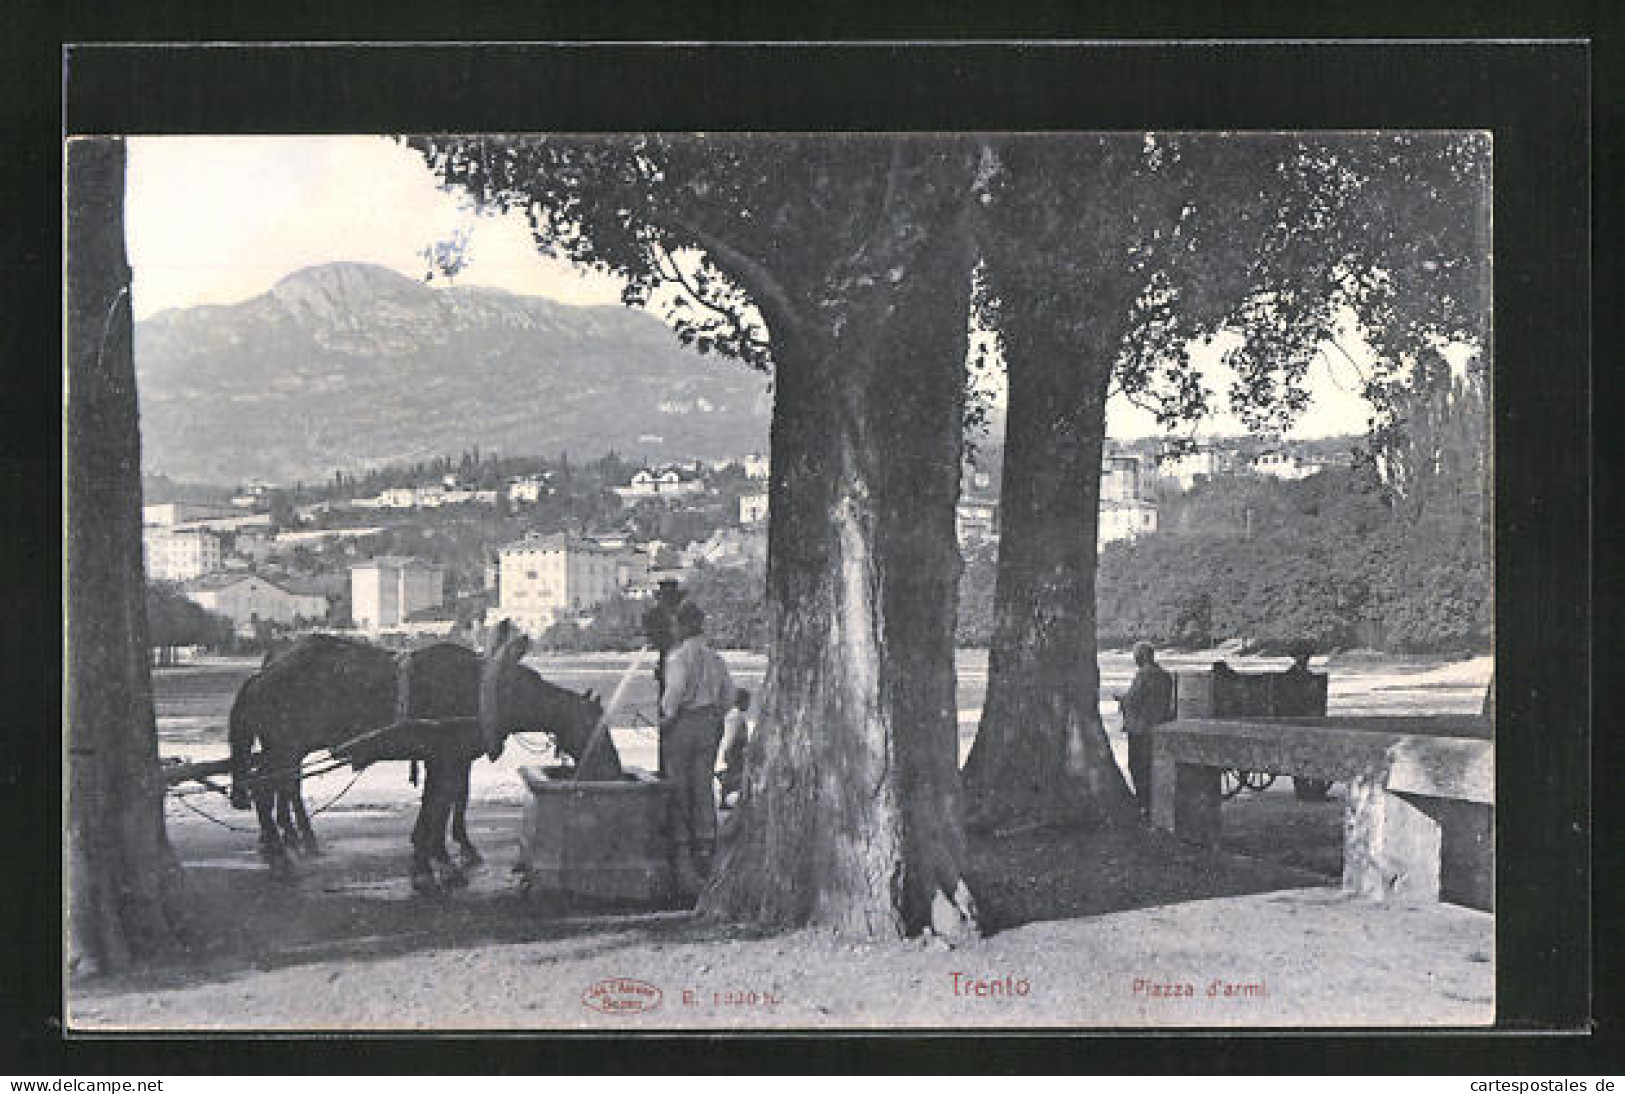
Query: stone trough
{"x":599,"y":842}
{"x":1419,"y":823}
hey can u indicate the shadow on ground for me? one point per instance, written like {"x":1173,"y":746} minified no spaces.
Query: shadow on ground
{"x":1271,"y":841}
{"x":354,"y":903}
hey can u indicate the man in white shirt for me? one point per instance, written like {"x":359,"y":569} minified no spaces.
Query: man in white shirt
{"x":697,"y":693}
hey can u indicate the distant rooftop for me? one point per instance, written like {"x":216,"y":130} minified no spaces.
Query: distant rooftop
{"x":554,"y":541}
{"x":396,"y":562}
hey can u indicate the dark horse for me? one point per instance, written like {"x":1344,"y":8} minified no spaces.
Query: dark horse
{"x":329,"y":692}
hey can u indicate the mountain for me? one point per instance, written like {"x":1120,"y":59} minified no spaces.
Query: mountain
{"x":348,"y":366}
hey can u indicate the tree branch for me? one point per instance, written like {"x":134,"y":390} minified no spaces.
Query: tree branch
{"x":672,"y":273}
{"x":750,"y":272}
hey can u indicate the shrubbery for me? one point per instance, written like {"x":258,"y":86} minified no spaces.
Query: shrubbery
{"x":1331,"y":558}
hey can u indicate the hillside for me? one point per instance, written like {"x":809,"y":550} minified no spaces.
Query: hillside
{"x":350,"y":366}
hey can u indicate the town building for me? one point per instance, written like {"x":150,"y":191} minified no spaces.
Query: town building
{"x":752,"y":509}
{"x":632,"y":569}
{"x":545,"y":578}
{"x":528,"y":489}
{"x":256,"y":495}
{"x":976,"y":519}
{"x":1120,"y":479}
{"x":180,"y":554}
{"x":755,"y":465}
{"x":234,"y":524}
{"x":249,"y":599}
{"x":1280,"y":464}
{"x":661,"y":483}
{"x":1188,"y":468}
{"x":1126,"y":520}
{"x":170,"y":513}
{"x":386,"y":591}
{"x":727,"y":547}
{"x":253,"y":544}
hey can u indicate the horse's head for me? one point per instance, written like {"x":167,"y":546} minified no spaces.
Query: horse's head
{"x":573,"y":716}
{"x":513,"y":699}
{"x":499,"y":687}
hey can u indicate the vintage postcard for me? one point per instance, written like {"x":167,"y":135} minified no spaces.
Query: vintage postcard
{"x":779,"y":581}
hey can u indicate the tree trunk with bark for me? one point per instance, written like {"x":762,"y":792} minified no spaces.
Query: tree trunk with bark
{"x":1041,"y":755}
{"x":124,"y":885}
{"x":851,"y":813}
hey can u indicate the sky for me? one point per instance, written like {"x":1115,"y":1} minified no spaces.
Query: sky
{"x":216,"y":220}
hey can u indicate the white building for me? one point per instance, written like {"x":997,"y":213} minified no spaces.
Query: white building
{"x":665,"y":482}
{"x":528,"y":489}
{"x":1126,"y":520}
{"x":180,"y":554}
{"x":755,"y":465}
{"x":247,"y":599}
{"x":254,"y":496}
{"x":386,"y":591}
{"x":543,"y":579}
{"x":752,"y":509}
{"x":1281,"y":464}
{"x":1189,"y":468}
{"x":1120,"y":479}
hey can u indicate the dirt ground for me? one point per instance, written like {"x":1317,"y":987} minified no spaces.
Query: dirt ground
{"x":1119,"y":929}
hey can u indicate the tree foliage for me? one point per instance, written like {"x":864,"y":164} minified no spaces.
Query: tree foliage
{"x":1279,"y":239}
{"x":1332,"y":559}
{"x":175,"y":620}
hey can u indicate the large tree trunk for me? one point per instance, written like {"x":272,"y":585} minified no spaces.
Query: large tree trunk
{"x":123,"y":882}
{"x":1041,"y":754}
{"x":851,"y":812}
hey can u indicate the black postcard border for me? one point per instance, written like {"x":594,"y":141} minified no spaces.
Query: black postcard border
{"x":1534,"y":97}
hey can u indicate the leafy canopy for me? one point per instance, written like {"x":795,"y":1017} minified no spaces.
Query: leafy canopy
{"x":1173,"y":240}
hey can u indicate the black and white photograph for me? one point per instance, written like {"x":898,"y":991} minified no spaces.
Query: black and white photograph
{"x":538,"y":581}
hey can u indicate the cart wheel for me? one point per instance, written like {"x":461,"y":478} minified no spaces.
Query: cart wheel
{"x":1231,"y":783}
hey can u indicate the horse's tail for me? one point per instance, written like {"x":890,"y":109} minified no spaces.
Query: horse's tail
{"x":240,"y":733}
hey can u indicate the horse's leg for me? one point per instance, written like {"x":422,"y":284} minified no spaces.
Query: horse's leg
{"x":286,"y":788}
{"x":459,"y":816}
{"x":271,"y":847}
{"x":307,"y":834}
{"x":443,"y":778}
{"x":264,"y":805}
{"x":423,"y":875}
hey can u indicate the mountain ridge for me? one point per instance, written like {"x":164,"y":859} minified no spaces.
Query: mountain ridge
{"x":349,"y":366}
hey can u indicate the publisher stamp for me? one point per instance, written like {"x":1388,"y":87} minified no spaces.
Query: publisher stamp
{"x":621,"y":995}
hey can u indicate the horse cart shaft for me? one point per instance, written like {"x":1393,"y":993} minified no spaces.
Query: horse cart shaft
{"x":200,"y":771}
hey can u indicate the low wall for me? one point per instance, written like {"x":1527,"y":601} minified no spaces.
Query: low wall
{"x":1420,"y":817}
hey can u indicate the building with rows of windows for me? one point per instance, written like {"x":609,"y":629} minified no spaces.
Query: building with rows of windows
{"x":542,"y":579}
